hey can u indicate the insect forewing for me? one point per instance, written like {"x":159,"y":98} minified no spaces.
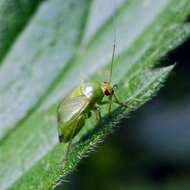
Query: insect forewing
{"x":70,"y":107}
{"x":69,"y":114}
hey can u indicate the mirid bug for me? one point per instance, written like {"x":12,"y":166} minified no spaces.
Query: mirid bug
{"x":73,"y":110}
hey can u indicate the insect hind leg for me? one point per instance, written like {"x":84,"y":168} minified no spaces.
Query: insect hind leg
{"x":67,"y":151}
{"x":79,"y":124}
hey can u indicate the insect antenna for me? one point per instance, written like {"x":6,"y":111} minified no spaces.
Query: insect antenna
{"x":113,"y":55}
{"x":114,"y":43}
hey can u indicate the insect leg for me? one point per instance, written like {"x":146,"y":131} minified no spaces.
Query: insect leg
{"x":110,"y":104}
{"x":117,"y":101}
{"x":79,"y":122}
{"x":70,"y":143}
{"x":67,"y":151}
{"x":98,"y":113}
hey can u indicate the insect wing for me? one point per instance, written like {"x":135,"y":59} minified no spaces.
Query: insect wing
{"x":69,"y":114}
{"x":70,"y":107}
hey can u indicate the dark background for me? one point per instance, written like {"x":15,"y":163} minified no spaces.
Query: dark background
{"x":151,"y":150}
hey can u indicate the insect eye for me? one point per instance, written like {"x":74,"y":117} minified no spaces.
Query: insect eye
{"x":106,"y":92}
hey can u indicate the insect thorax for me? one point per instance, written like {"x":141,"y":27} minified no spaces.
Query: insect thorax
{"x":92,"y":90}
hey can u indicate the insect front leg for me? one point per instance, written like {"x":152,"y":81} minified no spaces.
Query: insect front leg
{"x":117,"y":101}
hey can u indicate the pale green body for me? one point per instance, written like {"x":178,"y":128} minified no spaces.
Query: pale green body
{"x":74,"y":109}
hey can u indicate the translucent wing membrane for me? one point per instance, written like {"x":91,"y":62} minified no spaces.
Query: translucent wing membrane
{"x":70,"y":117}
{"x":69,"y":107}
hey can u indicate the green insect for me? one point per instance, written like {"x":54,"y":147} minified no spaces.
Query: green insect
{"x":73,"y":110}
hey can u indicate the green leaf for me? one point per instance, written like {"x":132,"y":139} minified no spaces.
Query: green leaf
{"x":40,"y":54}
{"x":142,"y":86}
{"x":57,"y":49}
{"x":14,"y":15}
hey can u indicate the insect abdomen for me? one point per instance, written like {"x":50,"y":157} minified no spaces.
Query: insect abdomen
{"x":71,"y":128}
